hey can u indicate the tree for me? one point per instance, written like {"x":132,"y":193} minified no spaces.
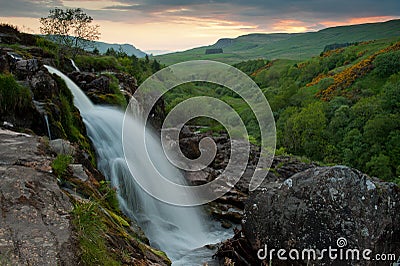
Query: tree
{"x":96,"y":51}
{"x":111,"y":52}
{"x":71,"y":27}
{"x":155,"y":66}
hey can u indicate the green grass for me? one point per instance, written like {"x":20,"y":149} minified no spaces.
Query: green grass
{"x":91,"y":229}
{"x":14,"y":98}
{"x":97,"y":63}
{"x":110,"y":196}
{"x":60,"y":164}
{"x":49,"y":47}
{"x":286,"y":46}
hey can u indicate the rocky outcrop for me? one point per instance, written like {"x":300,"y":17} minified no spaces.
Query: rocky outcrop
{"x":35,"y":226}
{"x":56,"y":208}
{"x":299,"y":205}
{"x":315,"y":209}
{"x":46,"y":215}
{"x":127,"y":82}
{"x":322,"y":205}
{"x":229,"y":208}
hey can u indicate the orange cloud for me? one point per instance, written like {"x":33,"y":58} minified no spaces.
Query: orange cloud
{"x":290,"y":25}
{"x":353,"y":21}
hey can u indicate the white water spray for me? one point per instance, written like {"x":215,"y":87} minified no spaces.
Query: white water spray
{"x":176,"y":230}
{"x":46,"y":119}
{"x":73,"y":64}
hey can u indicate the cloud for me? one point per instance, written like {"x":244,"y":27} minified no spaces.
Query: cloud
{"x":256,"y":12}
{"x":26,"y":8}
{"x":189,"y":23}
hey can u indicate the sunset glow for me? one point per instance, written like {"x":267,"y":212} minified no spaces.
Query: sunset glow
{"x":169,"y":26}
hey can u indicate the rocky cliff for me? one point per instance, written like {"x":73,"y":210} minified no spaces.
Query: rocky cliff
{"x":56,"y":208}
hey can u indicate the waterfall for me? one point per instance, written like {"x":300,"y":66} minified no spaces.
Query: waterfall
{"x":46,"y":119}
{"x":178,"y":231}
{"x":40,"y":108}
{"x":73,"y":64}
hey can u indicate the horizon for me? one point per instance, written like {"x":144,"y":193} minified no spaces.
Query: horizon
{"x":174,"y":25}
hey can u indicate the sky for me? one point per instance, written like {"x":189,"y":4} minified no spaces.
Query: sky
{"x":173,"y":25}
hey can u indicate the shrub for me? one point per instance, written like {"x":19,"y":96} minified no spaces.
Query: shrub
{"x":13,"y":97}
{"x":387,"y":64}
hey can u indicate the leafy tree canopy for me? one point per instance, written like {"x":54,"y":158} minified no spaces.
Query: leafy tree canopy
{"x":71,"y":27}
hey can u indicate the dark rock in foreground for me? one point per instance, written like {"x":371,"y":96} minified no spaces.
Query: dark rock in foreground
{"x":318,"y":208}
{"x":35,"y":226}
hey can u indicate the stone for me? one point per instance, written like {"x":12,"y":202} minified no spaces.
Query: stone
{"x":4,"y":66}
{"x":127,"y":82}
{"x":62,"y":146}
{"x":26,"y":67}
{"x":79,"y":172}
{"x":30,"y":65}
{"x":101,"y":84}
{"x":43,"y":85}
{"x":319,"y":207}
{"x":8,"y":38}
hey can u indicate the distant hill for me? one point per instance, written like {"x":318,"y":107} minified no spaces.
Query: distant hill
{"x":129,"y":49}
{"x":295,"y":46}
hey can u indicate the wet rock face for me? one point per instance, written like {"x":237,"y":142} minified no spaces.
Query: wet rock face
{"x":127,"y":82}
{"x":23,"y":68}
{"x":43,"y":85}
{"x":316,"y":207}
{"x":35,"y":226}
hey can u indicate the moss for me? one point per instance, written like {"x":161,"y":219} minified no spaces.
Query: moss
{"x":60,"y":164}
{"x":146,"y":248}
{"x":19,"y":49}
{"x":71,"y":125}
{"x":161,"y":254}
{"x":118,"y":218}
{"x":14,"y":98}
{"x":113,"y":99}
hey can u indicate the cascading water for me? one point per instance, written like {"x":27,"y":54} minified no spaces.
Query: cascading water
{"x":73,"y":64}
{"x":178,"y":231}
{"x":46,"y":119}
{"x":40,"y":108}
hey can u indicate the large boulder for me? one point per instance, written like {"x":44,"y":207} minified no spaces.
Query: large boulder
{"x":324,"y":207}
{"x":35,"y":224}
{"x":82,"y":79}
{"x":127,"y":82}
{"x":43,"y":85}
{"x":100,"y":85}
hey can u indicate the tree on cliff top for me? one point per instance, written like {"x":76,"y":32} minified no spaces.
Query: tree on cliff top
{"x":71,"y":27}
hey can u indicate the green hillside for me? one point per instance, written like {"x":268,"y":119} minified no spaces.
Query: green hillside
{"x":298,"y":46}
{"x":129,"y":49}
{"x":340,"y":107}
